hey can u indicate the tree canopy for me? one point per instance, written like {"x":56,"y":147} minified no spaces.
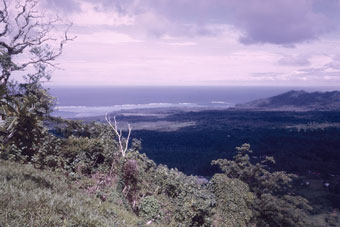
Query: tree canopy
{"x":27,"y":39}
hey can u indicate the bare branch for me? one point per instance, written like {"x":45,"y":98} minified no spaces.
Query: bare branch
{"x":4,"y":18}
{"x":27,"y":32}
{"x":123,"y":146}
{"x":3,"y":44}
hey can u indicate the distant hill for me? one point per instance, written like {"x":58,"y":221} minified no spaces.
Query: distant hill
{"x":296,"y":101}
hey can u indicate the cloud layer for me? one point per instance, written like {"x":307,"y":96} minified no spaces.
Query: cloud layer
{"x":283,"y":22}
{"x":201,"y":42}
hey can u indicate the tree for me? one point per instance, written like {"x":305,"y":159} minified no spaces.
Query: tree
{"x":27,"y":44}
{"x":275,"y":203}
{"x":26,"y":32}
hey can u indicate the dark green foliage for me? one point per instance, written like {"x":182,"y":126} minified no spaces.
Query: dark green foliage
{"x":256,"y":176}
{"x":275,"y":204}
{"x":23,"y":110}
{"x":48,"y":153}
{"x":66,"y":128}
{"x":286,"y":210}
{"x":333,"y":220}
{"x":83,"y":155}
{"x":77,"y":154}
{"x":166,"y":196}
{"x":233,"y":200}
{"x":149,"y":208}
{"x":24,"y":129}
{"x":183,"y":200}
{"x":299,"y":141}
{"x":188,"y":202}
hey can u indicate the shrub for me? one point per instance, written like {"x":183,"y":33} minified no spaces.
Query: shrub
{"x":149,"y":208}
{"x":130,"y":179}
{"x":233,"y":200}
{"x":188,"y":202}
{"x":23,"y":110}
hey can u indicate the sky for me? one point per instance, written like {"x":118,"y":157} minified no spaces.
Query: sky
{"x":200,"y":42}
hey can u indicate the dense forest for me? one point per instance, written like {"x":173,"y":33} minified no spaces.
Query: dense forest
{"x":299,"y":141}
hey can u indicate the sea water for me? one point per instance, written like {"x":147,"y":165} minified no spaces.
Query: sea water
{"x":77,"y":102}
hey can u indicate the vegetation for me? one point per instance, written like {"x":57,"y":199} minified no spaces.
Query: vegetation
{"x":272,"y":190}
{"x":300,"y":142}
{"x":25,"y":44}
{"x":43,"y":198}
{"x":75,"y":174}
{"x":88,"y":159}
{"x":141,"y":193}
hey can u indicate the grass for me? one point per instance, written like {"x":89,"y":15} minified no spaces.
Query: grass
{"x":31,"y":197}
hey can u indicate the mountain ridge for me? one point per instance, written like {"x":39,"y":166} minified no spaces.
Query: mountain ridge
{"x":296,"y":100}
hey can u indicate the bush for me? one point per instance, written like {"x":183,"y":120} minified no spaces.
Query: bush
{"x":149,"y":208}
{"x":23,"y":110}
{"x":188,"y":201}
{"x":234,"y":201}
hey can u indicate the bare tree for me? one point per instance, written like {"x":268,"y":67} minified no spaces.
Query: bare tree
{"x":123,"y":144}
{"x":26,"y":38}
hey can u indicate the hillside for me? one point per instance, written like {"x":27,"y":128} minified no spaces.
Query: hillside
{"x":297,"y":101}
{"x":32,"y":197}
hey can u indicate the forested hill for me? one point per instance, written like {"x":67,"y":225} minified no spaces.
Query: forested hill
{"x":296,"y":101}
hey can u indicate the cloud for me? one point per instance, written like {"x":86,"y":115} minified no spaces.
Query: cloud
{"x":294,"y":61}
{"x":267,"y":76}
{"x":282,"y":22}
{"x":182,"y":44}
{"x":64,"y":6}
{"x":92,"y":14}
{"x":106,"y":38}
{"x":189,"y":42}
{"x":335,"y":63}
{"x":328,"y":71}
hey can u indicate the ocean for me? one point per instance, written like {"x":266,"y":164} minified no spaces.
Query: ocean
{"x":78,"y":102}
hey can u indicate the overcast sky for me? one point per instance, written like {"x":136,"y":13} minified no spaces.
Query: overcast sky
{"x":200,"y":42}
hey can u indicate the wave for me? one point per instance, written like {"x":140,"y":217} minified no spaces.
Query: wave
{"x":90,"y":111}
{"x":221,"y":102}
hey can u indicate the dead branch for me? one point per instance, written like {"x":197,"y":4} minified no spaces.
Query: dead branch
{"x":123,"y":145}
